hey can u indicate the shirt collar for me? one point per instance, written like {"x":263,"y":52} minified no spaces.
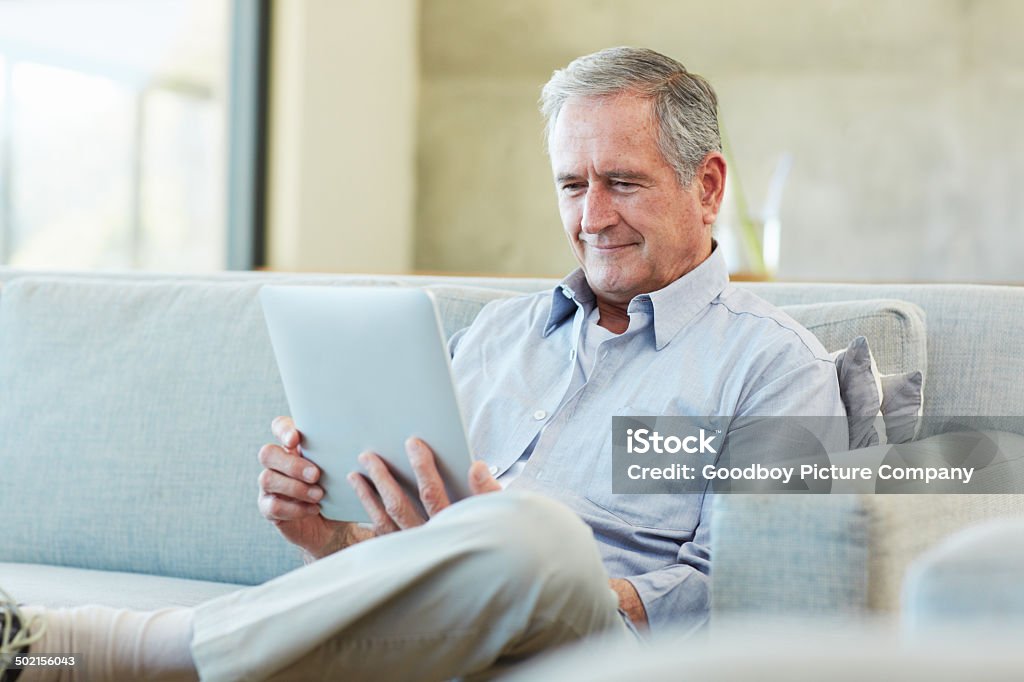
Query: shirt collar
{"x":569,"y":294}
{"x":671,"y":307}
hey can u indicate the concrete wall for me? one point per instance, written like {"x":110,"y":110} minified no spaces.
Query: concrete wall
{"x":342,"y":135}
{"x":902,"y":118}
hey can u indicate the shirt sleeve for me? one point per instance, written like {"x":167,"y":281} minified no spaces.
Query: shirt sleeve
{"x":453,"y":342}
{"x":680,"y":595}
{"x":810,"y":389}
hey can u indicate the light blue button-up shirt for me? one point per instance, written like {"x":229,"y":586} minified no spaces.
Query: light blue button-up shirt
{"x":698,"y":347}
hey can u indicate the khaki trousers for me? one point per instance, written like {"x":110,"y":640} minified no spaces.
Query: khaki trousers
{"x":487,"y":583}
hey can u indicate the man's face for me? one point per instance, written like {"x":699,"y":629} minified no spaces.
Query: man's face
{"x":632,"y":226}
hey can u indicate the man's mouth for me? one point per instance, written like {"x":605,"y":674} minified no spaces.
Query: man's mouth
{"x":608,"y":248}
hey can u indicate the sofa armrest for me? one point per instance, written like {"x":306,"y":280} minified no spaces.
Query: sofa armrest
{"x":780,"y":554}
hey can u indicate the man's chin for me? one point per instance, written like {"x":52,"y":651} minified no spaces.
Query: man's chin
{"x":611,"y":286}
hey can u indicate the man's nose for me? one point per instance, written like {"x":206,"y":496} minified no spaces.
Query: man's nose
{"x":598,"y":212}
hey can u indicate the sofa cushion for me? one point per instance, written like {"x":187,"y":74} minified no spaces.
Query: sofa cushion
{"x":897,"y":326}
{"x":902,"y":405}
{"x":975,"y":348}
{"x":972,"y":577}
{"x":57,"y":586}
{"x":459,"y":306}
{"x":861,"y":391}
{"x":895,"y":330}
{"x":903,"y":527}
{"x":800,"y":554}
{"x":131,"y":416}
{"x":868,"y":394}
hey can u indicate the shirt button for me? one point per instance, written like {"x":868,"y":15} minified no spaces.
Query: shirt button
{"x":539,"y":414}
{"x":493,"y":469}
{"x":572,"y":354}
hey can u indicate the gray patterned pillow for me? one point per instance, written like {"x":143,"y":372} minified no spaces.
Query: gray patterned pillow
{"x":860,"y":388}
{"x":902,"y":404}
{"x":868,"y":394}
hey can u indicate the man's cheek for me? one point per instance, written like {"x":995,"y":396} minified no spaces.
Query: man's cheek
{"x":569,"y":214}
{"x":571,"y":226}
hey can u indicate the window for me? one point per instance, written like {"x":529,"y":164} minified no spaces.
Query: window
{"x":118,"y":122}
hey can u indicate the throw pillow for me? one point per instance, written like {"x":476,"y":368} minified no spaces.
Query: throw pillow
{"x":867,"y":394}
{"x":902,"y":405}
{"x":860,"y":388}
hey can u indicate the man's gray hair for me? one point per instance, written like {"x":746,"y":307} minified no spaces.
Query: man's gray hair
{"x":685,"y":105}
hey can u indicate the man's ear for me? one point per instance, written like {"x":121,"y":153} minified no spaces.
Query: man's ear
{"x":711,"y":178}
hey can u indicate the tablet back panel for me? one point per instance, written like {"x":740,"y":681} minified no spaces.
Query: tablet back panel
{"x":364,"y":368}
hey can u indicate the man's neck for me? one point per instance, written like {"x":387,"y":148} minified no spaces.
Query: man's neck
{"x":614,"y":318}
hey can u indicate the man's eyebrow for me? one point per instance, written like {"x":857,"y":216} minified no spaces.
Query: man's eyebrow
{"x":614,"y":174}
{"x":624,"y":174}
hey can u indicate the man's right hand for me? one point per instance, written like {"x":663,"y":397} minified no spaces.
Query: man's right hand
{"x":290,"y":497}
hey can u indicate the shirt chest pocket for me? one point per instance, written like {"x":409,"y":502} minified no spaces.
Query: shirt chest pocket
{"x":677,"y":512}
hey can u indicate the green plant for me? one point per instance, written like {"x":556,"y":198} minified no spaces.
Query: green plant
{"x":749,"y":234}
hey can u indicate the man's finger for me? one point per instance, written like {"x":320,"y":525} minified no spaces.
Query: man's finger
{"x":382,"y":523}
{"x":273,"y":482}
{"x":432,"y":493}
{"x":274,"y":508}
{"x":277,"y":458}
{"x":480,"y":479}
{"x":284,"y":430}
{"x":396,"y":503}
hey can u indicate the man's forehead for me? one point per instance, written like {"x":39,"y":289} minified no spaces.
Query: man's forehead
{"x":616,"y":133}
{"x":582,"y":115}
{"x":623,"y":121}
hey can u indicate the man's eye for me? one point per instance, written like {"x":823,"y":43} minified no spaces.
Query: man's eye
{"x":572,"y":188}
{"x":622,"y":184}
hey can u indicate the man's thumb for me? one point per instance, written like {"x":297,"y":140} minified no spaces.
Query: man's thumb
{"x":480,"y":479}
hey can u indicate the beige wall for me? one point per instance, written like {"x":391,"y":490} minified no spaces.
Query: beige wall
{"x":903,"y":119}
{"x":341,"y":183}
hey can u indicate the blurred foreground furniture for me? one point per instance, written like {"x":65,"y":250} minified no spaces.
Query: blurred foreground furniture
{"x":962,"y":613}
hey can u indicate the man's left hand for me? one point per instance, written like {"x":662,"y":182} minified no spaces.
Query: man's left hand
{"x":390,"y":509}
{"x":630,"y":602}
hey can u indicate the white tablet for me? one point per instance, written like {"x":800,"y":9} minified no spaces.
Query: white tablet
{"x":364,"y":368}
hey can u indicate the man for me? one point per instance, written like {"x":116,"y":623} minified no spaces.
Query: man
{"x":647,"y":325}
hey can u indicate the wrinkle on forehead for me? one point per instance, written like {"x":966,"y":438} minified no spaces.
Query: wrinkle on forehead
{"x":647,"y":121}
{"x":588,"y":138}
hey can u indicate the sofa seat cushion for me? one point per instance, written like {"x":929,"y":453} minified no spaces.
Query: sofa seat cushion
{"x":42,"y":585}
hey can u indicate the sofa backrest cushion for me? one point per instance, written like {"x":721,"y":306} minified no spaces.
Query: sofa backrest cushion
{"x":458,"y":306}
{"x":131,"y":417}
{"x":131,"y":409}
{"x":895,"y":330}
{"x":975,"y":352}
